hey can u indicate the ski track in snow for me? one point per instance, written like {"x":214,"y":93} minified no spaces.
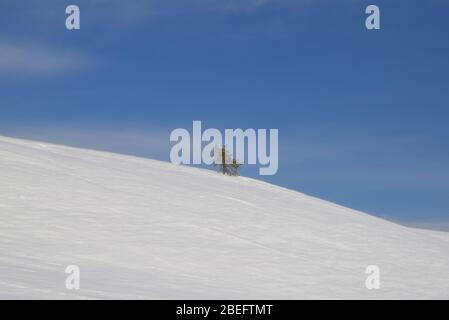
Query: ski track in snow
{"x":144,"y":229}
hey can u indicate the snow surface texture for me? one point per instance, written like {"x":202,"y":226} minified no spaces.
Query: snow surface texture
{"x":145,"y":229}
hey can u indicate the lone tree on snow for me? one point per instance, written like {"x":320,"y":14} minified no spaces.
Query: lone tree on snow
{"x":227,"y":165}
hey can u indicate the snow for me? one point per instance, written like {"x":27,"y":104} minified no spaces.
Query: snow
{"x":144,"y":229}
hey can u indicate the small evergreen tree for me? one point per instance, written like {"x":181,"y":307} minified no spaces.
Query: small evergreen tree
{"x":227,"y":165}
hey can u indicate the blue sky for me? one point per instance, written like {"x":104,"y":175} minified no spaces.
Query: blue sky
{"x":362,"y":114}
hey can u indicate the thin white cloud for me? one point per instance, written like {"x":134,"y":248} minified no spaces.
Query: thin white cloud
{"x":244,"y":5}
{"x":135,"y":10}
{"x":114,"y":11}
{"x":233,"y":4}
{"x":152,"y":143}
{"x":31,"y":58}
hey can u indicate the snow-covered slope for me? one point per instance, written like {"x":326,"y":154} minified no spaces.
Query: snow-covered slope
{"x":140,"y":228}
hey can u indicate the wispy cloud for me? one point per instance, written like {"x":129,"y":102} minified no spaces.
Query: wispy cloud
{"x":233,"y":4}
{"x":152,"y":143}
{"x":115,"y":11}
{"x":31,"y":58}
{"x":243,"y":5}
{"x":135,"y":10}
